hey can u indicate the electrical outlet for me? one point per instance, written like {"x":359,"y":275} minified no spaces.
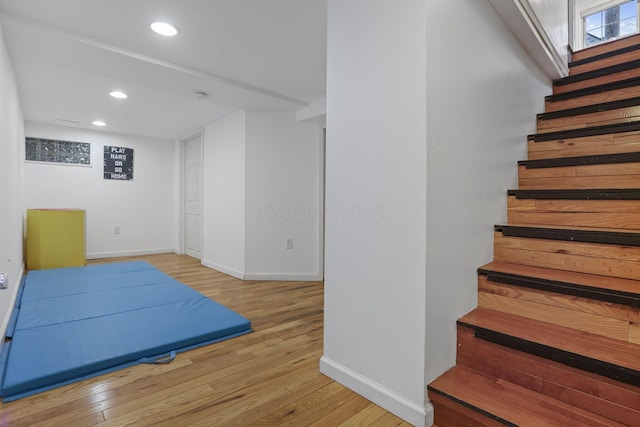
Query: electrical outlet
{"x":116,"y":229}
{"x":288,"y":243}
{"x":4,"y":283}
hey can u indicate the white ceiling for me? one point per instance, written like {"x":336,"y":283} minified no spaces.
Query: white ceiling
{"x":258,"y":55}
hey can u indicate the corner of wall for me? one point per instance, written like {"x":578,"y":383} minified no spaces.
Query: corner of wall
{"x":223,"y":269}
{"x":523,"y":21}
{"x":398,"y":405}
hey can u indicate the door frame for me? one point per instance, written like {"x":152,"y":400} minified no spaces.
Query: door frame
{"x":182,"y":221}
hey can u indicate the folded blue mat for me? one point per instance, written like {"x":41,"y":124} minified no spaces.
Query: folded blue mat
{"x":66,"y":331}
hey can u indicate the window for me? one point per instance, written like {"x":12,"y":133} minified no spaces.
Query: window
{"x":54,"y":151}
{"x":611,"y":23}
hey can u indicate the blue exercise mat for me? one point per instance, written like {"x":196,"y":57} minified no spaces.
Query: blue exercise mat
{"x":74,"y":323}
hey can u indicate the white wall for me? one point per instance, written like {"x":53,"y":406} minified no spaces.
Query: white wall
{"x":11,"y":140}
{"x":143,"y":208}
{"x":553,"y":15}
{"x":283,"y":197}
{"x":542,"y":26}
{"x":376,"y":202}
{"x":262,"y":176}
{"x":223,"y":195}
{"x":481,"y":105}
{"x":423,"y":138}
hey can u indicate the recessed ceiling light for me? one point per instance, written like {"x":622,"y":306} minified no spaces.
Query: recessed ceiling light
{"x":118,"y":94}
{"x":164,"y":29}
{"x":98,"y":123}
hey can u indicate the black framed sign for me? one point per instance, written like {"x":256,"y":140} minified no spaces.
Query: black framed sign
{"x":118,"y":163}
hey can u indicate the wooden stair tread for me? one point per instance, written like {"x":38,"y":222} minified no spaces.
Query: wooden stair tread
{"x":595,"y":393}
{"x":609,"y":357}
{"x":605,"y":288}
{"x":604,"y":50}
{"x":578,"y":194}
{"x":589,"y":109}
{"x":592,"y":90}
{"x":593,"y":74}
{"x":585,"y":131}
{"x":573,"y":234}
{"x":593,"y":95}
{"x":601,"y":159}
{"x":629,"y":53}
{"x":509,"y":403}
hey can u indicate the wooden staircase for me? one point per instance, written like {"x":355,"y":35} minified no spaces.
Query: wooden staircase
{"x":555,"y":340}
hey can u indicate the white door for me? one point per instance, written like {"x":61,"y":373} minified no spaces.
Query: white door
{"x":193,"y":196}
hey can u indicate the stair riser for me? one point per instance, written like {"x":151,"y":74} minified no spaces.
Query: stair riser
{"x":621,"y":115}
{"x":606,"y":47}
{"x":548,"y":280}
{"x":605,"y":62}
{"x":573,"y":386}
{"x":618,"y":175}
{"x":581,"y":182}
{"x":608,"y":320}
{"x":620,"y":214}
{"x":591,"y":258}
{"x":597,"y":81}
{"x":585,"y":146}
{"x":559,"y":301}
{"x":630,"y":222}
{"x":451,"y":414}
{"x":509,"y":403}
{"x":598,"y":98}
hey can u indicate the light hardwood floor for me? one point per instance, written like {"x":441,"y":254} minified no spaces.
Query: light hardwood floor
{"x":269,"y":377}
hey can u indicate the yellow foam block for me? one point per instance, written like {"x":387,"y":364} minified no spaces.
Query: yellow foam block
{"x":55,"y":238}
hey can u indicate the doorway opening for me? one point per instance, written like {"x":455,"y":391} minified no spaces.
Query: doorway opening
{"x":192,"y":195}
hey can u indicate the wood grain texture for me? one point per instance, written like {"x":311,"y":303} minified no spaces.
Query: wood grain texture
{"x":581,"y":279}
{"x":619,"y":353}
{"x":577,"y":263}
{"x":512,"y":403}
{"x":452,"y":414}
{"x":569,"y":318}
{"x":605,"y":62}
{"x":579,"y":182}
{"x":618,"y":175}
{"x":624,"y":313}
{"x":606,"y":47}
{"x":255,"y":379}
{"x":607,"y":397}
{"x":614,"y":214}
{"x":634,"y":333}
{"x":589,"y":250}
{"x":597,"y":98}
{"x":614,"y":77}
{"x":585,"y":146}
{"x":620,"y":115}
{"x":574,"y":205}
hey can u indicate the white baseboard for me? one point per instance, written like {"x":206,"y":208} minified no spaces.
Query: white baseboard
{"x":378,"y":394}
{"x":296,"y":277}
{"x":226,"y":270}
{"x":96,"y":255}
